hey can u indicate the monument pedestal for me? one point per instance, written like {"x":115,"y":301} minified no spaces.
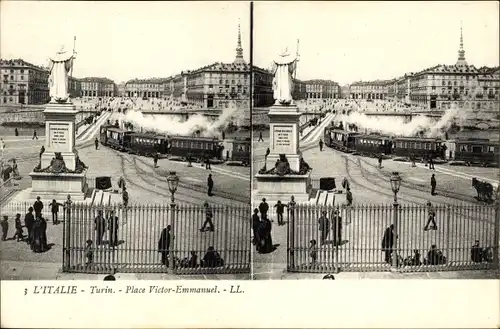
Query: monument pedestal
{"x":52,"y":180}
{"x":274,"y":187}
{"x":284,"y":139}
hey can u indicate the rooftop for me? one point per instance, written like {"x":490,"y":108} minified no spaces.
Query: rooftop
{"x":20,"y":62}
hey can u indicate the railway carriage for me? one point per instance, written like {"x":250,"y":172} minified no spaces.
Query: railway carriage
{"x":148,"y":144}
{"x":371,"y":145}
{"x":241,"y":151}
{"x":473,"y":151}
{"x":198,"y":148}
{"x":340,"y":139}
{"x":420,"y":147}
{"x":116,"y":138}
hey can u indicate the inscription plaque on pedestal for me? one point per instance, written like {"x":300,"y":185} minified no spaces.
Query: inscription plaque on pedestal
{"x":283,"y":139}
{"x":58,"y":135}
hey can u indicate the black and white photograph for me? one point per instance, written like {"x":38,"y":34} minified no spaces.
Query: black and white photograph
{"x":125,"y":140}
{"x":375,"y":140}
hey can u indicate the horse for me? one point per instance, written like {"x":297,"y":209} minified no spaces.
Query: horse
{"x":484,"y":190}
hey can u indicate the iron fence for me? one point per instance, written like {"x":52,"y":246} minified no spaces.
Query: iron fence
{"x":354,"y":240}
{"x":133,"y":243}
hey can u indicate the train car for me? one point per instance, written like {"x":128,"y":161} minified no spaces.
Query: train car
{"x":473,"y":151}
{"x":117,"y":138}
{"x":420,"y":147}
{"x":340,"y":139}
{"x":241,"y":151}
{"x":371,"y":145}
{"x":198,"y":148}
{"x":148,"y":144}
{"x":103,"y":136}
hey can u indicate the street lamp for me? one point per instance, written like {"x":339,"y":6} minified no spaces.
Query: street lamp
{"x":395,"y":185}
{"x":173,"y":182}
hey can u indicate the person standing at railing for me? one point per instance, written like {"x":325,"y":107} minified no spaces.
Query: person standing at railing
{"x":99,"y":227}
{"x":38,"y":207}
{"x":113,"y":229}
{"x":388,"y":242}
{"x":54,"y":207}
{"x":125,"y":196}
{"x":263,"y":208}
{"x":324,"y":227}
{"x":5,"y":227}
{"x":164,"y":244}
{"x":280,"y":209}
{"x":19,"y":228}
{"x":255,"y":226}
{"x":29,"y":219}
{"x":337,"y":228}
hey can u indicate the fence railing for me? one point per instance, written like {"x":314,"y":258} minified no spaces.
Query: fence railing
{"x":354,"y":239}
{"x":134,"y":242}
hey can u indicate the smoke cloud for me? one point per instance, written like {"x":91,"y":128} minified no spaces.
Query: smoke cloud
{"x":396,"y":126}
{"x":176,"y":125}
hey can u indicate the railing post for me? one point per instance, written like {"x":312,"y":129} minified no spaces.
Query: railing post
{"x":496,"y":235}
{"x":448,"y":236}
{"x":395,"y":255}
{"x":291,"y":240}
{"x":67,"y":237}
{"x":172,"y":238}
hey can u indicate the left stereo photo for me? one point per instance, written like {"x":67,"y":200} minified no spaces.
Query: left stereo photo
{"x":125,"y":151}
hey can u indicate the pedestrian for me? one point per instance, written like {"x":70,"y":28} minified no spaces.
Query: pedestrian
{"x":412,"y":159}
{"x":5,"y":227}
{"x":42,"y":150}
{"x":433,"y":184}
{"x":255,"y":226}
{"x":164,"y":244}
{"x":313,"y":251}
{"x":263,"y":208}
{"x":380,"y":161}
{"x":476,"y":253}
{"x":266,"y":241}
{"x":431,"y":217}
{"x":210,"y":184}
{"x":19,"y":228}
{"x":388,"y":242}
{"x":43,"y":232}
{"x":431,"y":162}
{"x":155,"y":160}
{"x":324,"y":227}
{"x":125,"y":196}
{"x":96,"y":142}
{"x":291,"y":208}
{"x":348,"y":197}
{"x":268,"y":151}
{"x":34,"y":134}
{"x":2,"y":146}
{"x":99,"y":227}
{"x":321,"y":145}
{"x":223,"y":135}
{"x":29,"y":219}
{"x":337,"y":228}
{"x":207,"y":164}
{"x":260,"y":137}
{"x":38,"y":207}
{"x":113,"y":229}
{"x":54,"y":205}
{"x":89,"y":252}
{"x":208,"y":219}
{"x":16,"y":132}
{"x":121,"y":183}
{"x":280,"y":209}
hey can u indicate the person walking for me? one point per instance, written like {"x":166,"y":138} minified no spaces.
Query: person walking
{"x":321,"y":145}
{"x":388,"y":242}
{"x":431,"y":217}
{"x":207,"y":164}
{"x":29,"y":219}
{"x":324,"y":227}
{"x":5,"y":227}
{"x":155,"y":160}
{"x":263,"y":208}
{"x":433,"y":184}
{"x":19,"y":228}
{"x":255,"y":226}
{"x":54,"y":207}
{"x":96,"y":142}
{"x":125,"y":196}
{"x":380,"y":161}
{"x":260,"y":137}
{"x":38,"y":207}
{"x":208,"y":219}
{"x":164,"y":244}
{"x":431,"y":162}
{"x":280,"y":209}
{"x":16,"y":132}
{"x":412,"y":159}
{"x":34,"y":134}
{"x":210,"y":184}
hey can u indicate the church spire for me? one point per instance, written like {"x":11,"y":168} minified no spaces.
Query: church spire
{"x":239,"y":50}
{"x":461,"y":51}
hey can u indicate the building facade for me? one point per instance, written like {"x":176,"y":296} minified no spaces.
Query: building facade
{"x":322,"y":89}
{"x":369,"y":90}
{"x":144,"y":88}
{"x":262,"y":87}
{"x":98,"y":87}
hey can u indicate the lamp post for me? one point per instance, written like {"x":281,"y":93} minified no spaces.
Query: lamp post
{"x":173,"y":182}
{"x":395,"y":185}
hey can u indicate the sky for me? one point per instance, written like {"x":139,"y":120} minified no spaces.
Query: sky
{"x":353,"y":41}
{"x":125,"y":40}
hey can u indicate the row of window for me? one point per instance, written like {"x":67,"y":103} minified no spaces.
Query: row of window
{"x":477,"y":148}
{"x":192,"y":145}
{"x":370,"y":141}
{"x":415,"y":145}
{"x":147,"y":141}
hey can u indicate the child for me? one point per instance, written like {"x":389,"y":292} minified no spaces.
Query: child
{"x":19,"y":228}
{"x":89,"y":253}
{"x":313,"y":251}
{"x":5,"y":227}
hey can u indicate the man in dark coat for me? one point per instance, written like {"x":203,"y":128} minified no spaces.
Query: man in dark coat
{"x":431,"y":162}
{"x":210,"y":184}
{"x":321,"y":145}
{"x":164,"y":244}
{"x":263,"y":208}
{"x":324,"y":227}
{"x":99,"y":227}
{"x":34,"y":134}
{"x":280,"y":209}
{"x":96,"y":142}
{"x":266,"y":240}
{"x":476,"y":253}
{"x":125,"y":197}
{"x":208,"y":219}
{"x":268,"y":151}
{"x":54,"y":207}
{"x":336,"y":228}
{"x":29,"y":219}
{"x":433,"y":185}
{"x":380,"y":160}
{"x":207,"y":163}
{"x":155,"y":160}
{"x":388,"y":242}
{"x":113,"y":229}
{"x":260,"y":137}
{"x":348,"y":197}
{"x":255,"y":226}
{"x":38,"y":207}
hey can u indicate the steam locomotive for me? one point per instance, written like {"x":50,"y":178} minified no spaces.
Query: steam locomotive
{"x":469,"y":150}
{"x":183,"y":147}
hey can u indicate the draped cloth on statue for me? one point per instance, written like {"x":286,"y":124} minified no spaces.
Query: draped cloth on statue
{"x":284,"y":66}
{"x":60,"y":65}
